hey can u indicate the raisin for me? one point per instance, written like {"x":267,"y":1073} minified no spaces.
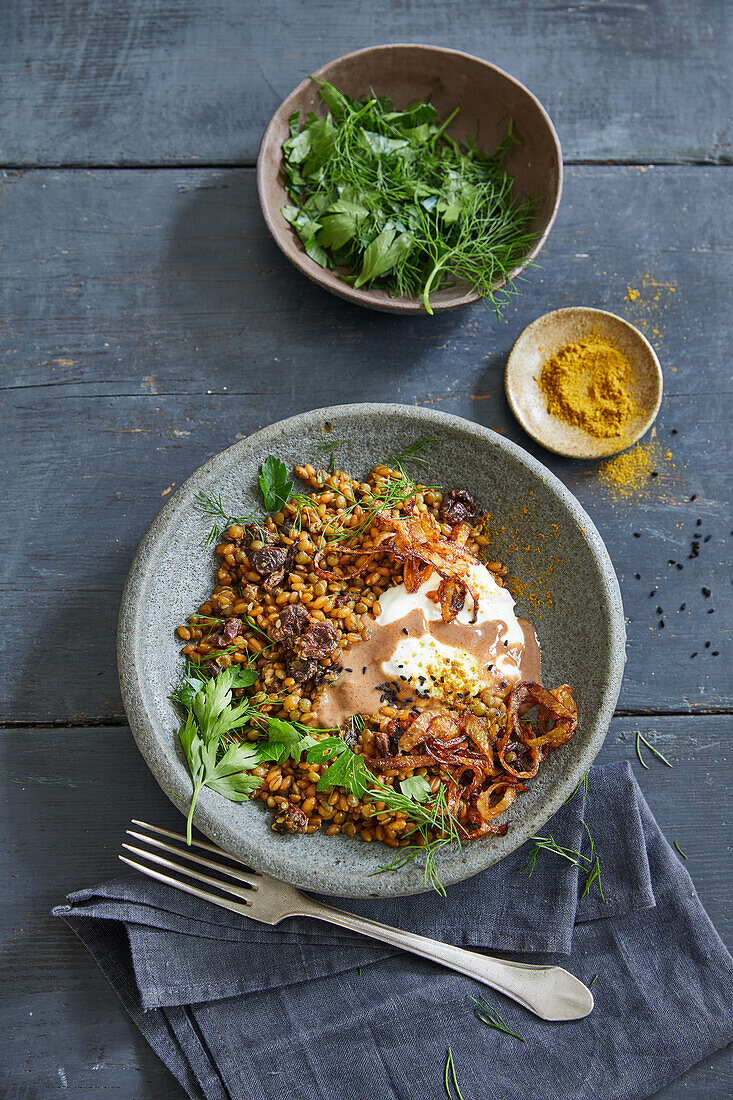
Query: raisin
{"x":302,"y":669}
{"x":294,"y":619}
{"x":290,"y":819}
{"x":229,"y":631}
{"x":457,"y":506}
{"x":319,"y":641}
{"x":271,"y":559}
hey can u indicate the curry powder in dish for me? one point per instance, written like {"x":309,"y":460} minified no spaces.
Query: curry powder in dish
{"x":587,"y":384}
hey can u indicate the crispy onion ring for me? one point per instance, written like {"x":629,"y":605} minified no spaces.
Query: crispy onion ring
{"x":558,"y":707}
{"x":511,"y":792}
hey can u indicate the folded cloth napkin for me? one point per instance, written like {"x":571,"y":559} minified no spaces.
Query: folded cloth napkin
{"x":240,"y":1010}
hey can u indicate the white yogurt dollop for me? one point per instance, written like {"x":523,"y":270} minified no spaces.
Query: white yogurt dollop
{"x":425,"y":656}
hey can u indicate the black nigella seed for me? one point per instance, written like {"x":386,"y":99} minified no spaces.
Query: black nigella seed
{"x":670,"y":562}
{"x":659,"y":611}
{"x":638,"y":576}
{"x":707,"y":538}
{"x":693,"y":655}
{"x":711,"y":611}
{"x":679,"y":566}
{"x":699,"y":522}
{"x":652,"y":593}
{"x":683,"y":606}
{"x":654,"y":473}
{"x":706,"y":593}
{"x":693,"y":497}
{"x":707,"y":645}
{"x":363,"y":671}
{"x":405,"y":631}
{"x":673,"y":431}
{"x":661,"y":624}
{"x":637,"y":534}
{"x":716,"y":653}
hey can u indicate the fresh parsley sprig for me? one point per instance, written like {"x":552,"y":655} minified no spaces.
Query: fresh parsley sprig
{"x":216,"y":760}
{"x":275,"y":484}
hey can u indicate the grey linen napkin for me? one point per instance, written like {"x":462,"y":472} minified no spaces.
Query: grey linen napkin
{"x":240,"y":1010}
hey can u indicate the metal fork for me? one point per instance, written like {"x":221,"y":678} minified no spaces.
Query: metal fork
{"x":549,"y":991}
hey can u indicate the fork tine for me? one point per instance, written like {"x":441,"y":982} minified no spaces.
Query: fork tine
{"x":236,"y":891}
{"x":241,"y":876}
{"x":194,"y":843}
{"x":225,"y":903}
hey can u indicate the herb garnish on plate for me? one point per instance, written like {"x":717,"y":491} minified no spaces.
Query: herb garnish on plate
{"x":393,"y":201}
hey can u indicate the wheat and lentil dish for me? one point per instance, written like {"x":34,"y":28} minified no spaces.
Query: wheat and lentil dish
{"x":299,"y":600}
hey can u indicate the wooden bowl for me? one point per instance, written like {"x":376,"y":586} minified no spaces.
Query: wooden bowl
{"x":486,"y":97}
{"x":540,"y":341}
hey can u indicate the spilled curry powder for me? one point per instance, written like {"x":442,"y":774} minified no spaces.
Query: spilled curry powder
{"x":586,"y":384}
{"x":627,"y":473}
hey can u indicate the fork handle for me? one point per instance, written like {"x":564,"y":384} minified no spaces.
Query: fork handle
{"x":551,"y":992}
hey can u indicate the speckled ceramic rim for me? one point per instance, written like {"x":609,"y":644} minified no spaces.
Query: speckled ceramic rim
{"x":571,"y":313}
{"x":379,"y":299}
{"x":338,"y":865}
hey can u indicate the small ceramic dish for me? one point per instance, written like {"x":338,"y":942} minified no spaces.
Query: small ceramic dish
{"x":486,"y":97}
{"x":542,"y":534}
{"x":547,"y":335}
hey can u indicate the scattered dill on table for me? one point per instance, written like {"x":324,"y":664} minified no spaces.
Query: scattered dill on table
{"x":450,"y":1080}
{"x":489,"y":1016}
{"x":640,"y":737}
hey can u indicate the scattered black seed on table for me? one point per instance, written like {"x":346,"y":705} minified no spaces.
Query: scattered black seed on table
{"x":638,"y":576}
{"x":659,"y":611}
{"x":678,"y":565}
{"x":654,"y":473}
{"x":711,"y":611}
{"x":693,"y":655}
{"x":661,"y":624}
{"x":706,"y":592}
{"x":652,"y":593}
{"x":707,"y":538}
{"x":707,"y":645}
{"x":673,"y":431}
{"x":716,"y":653}
{"x":637,"y":534}
{"x":693,"y":497}
{"x":683,"y":606}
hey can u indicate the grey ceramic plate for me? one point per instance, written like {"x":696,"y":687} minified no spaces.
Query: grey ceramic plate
{"x":544,"y":537}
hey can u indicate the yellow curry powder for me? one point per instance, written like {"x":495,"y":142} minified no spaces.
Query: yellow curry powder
{"x":586,"y":384}
{"x":627,"y":473}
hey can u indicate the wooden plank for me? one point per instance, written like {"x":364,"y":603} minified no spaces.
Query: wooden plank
{"x":149,"y":321}
{"x":67,"y":795}
{"x":148,"y":82}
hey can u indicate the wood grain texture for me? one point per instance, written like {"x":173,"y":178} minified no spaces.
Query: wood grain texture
{"x":67,"y":797}
{"x":148,"y":321}
{"x":179,"y":82}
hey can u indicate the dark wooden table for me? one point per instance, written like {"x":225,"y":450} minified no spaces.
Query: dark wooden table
{"x":148,"y":321}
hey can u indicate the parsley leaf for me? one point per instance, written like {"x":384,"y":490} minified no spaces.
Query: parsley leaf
{"x":416,"y":787}
{"x":347,"y":770}
{"x":211,"y":716}
{"x":276,"y":488}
